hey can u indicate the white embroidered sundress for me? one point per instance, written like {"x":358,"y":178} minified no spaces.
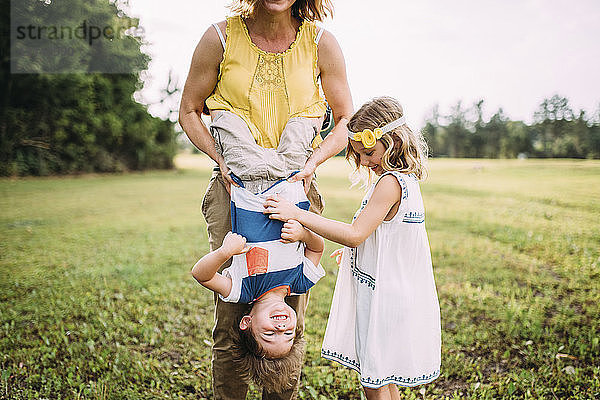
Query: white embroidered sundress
{"x":385,"y":317}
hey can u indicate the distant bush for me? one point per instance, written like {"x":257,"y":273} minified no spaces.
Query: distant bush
{"x":79,"y":122}
{"x":556,"y":132}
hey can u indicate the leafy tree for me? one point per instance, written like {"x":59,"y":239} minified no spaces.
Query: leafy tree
{"x":78,"y":122}
{"x":593,"y":139}
{"x":456,"y":131}
{"x":496,"y":129}
{"x":517,"y":140}
{"x":551,"y":119}
{"x":432,"y":133}
{"x":476,"y":138}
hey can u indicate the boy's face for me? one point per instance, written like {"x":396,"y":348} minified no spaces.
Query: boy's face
{"x":273,"y":326}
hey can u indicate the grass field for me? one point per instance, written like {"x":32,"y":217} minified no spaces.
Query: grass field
{"x":96,"y":300}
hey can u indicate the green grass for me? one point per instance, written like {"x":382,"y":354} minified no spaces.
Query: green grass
{"x":96,"y":301}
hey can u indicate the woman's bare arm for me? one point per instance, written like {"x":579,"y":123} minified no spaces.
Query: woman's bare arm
{"x":200,"y":83}
{"x":332,"y":70}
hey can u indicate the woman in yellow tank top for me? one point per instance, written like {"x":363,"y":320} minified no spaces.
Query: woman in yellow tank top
{"x":266,"y":89}
{"x":264,"y":65}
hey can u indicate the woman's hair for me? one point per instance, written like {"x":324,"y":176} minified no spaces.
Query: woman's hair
{"x":273,"y":374}
{"x":406,"y":151}
{"x":305,"y":10}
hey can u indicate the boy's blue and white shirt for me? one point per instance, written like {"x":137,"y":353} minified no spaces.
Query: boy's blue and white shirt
{"x":270,"y":263}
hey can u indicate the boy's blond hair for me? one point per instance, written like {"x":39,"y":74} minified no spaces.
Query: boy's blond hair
{"x":305,"y":10}
{"x":273,"y":374}
{"x":406,"y":151}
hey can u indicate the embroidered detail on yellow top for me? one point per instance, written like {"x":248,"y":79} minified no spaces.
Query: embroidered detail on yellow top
{"x":269,"y":73}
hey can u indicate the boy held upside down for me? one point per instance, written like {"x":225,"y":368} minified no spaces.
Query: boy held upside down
{"x":268,"y":348}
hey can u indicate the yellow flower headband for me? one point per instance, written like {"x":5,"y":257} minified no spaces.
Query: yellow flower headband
{"x":369,"y":137}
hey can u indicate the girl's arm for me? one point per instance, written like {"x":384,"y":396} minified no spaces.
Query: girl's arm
{"x":205,"y":270}
{"x":386,"y":194}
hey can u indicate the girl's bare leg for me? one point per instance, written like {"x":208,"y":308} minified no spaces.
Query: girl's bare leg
{"x":394,"y":393}
{"x":383,"y":393}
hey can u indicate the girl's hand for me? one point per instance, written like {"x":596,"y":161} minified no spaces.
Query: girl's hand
{"x":234,"y":244}
{"x":279,"y":208}
{"x":338,"y":256}
{"x":292,"y":231}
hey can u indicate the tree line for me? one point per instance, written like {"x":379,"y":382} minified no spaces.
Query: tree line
{"x":556,"y":131}
{"x":81,"y":117}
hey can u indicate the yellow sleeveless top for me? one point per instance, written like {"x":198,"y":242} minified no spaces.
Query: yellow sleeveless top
{"x":267,"y":89}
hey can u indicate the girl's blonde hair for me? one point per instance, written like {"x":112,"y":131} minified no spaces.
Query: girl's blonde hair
{"x":406,"y":151}
{"x":305,"y":10}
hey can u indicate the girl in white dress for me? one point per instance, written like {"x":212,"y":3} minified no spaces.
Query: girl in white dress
{"x":385,"y":317}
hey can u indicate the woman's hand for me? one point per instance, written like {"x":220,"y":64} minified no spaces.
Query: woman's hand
{"x":234,"y":244}
{"x":292,"y":231}
{"x":338,"y":255}
{"x":305,"y":175}
{"x":225,"y":173}
{"x":281,"y":209}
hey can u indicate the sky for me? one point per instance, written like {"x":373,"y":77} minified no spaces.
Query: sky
{"x":512,"y":53}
